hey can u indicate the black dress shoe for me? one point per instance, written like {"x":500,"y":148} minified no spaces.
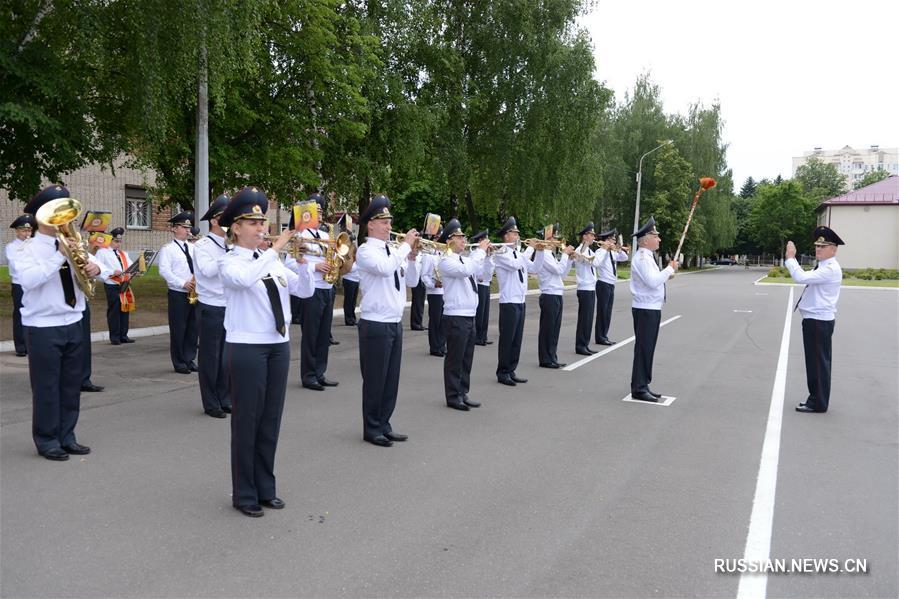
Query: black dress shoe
{"x":56,"y":454}
{"x":506,"y":381}
{"x":226,"y":409}
{"x":458,"y":406}
{"x":192,"y":366}
{"x":398,"y":437}
{"x":274,"y":503}
{"x":76,"y":449}
{"x":583,"y":352}
{"x":127,"y":340}
{"x":517,"y":378}
{"x":253,"y":511}
{"x":115,"y":342}
{"x":471,"y":403}
{"x":807,"y":409}
{"x":216,"y":413}
{"x":334,"y":342}
{"x":654,"y":394}
{"x":316,"y":386}
{"x":439,"y":354}
{"x":21,"y":354}
{"x":381,"y":441}
{"x":488,"y":342}
{"x":549,"y":365}
{"x":480,"y":343}
{"x":418,"y":328}
{"x":350,"y":324}
{"x":183,"y":370}
{"x":644,"y":396}
{"x":605,"y":342}
{"x":92,"y":388}
{"x":326,"y":382}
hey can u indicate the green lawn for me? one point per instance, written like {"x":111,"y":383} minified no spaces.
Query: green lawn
{"x":846,"y":282}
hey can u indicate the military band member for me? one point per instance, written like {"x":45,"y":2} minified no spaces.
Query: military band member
{"x":256,"y":286}
{"x":176,"y":266}
{"x":551,"y":290}
{"x":586,"y":291}
{"x":350,"y":295}
{"x":384,"y":274}
{"x":818,"y":306}
{"x":317,"y":314}
{"x":430,"y":276}
{"x":211,"y":370}
{"x":483,"y":278}
{"x":460,"y":303}
{"x":648,"y":293}
{"x":512,"y":268}
{"x":607,"y":258}
{"x":118,"y":312}
{"x":25,"y":227}
{"x":52,"y":310}
{"x":417,"y":310}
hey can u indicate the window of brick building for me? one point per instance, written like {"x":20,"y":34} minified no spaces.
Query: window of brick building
{"x":137,"y":208}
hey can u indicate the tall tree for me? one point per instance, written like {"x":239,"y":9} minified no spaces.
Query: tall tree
{"x":820,"y":180}
{"x":780,"y":213}
{"x":871,"y":177}
{"x":749,"y":188}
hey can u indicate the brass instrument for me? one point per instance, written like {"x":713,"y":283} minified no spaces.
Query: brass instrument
{"x":546,"y":244}
{"x":339,"y":252}
{"x":192,"y":297}
{"x":425,"y":246}
{"x":496,"y":248}
{"x":60,"y":213}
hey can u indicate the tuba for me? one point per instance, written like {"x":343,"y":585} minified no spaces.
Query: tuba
{"x":59,"y":214}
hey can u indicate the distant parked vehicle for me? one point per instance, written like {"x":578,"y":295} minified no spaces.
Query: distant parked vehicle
{"x":724,"y":261}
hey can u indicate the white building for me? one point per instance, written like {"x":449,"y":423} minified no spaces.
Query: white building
{"x":854,"y":164}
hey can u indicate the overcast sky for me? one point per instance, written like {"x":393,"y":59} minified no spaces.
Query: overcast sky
{"x":790,"y":75}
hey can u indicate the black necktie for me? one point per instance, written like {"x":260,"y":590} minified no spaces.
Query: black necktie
{"x":65,"y":277}
{"x":315,"y":233}
{"x":474,"y":286}
{"x":803,"y":293}
{"x":614,"y":265}
{"x":190,"y":263}
{"x":274,"y":299}
{"x":224,"y":247}
{"x":520,"y":276}
{"x":396,"y":277}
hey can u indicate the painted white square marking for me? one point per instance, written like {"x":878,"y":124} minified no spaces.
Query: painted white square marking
{"x":665,"y":400}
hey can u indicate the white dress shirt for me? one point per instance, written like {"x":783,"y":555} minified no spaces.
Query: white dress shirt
{"x":509,"y":265}
{"x":819,"y":299}
{"x":173,"y":265}
{"x":429,"y":265}
{"x":207,"y":253}
{"x":43,"y":300}
{"x":248,"y":309}
{"x":353,"y":274}
{"x":317,"y":254}
{"x":458,"y":273}
{"x":110,"y":263}
{"x":11,"y":249}
{"x":603,"y":263}
{"x":586,"y":276}
{"x":381,"y":300}
{"x":485,"y":275}
{"x":550,"y":276}
{"x":647,"y":281}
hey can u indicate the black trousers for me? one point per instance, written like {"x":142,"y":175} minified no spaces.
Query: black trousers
{"x":605,"y":298}
{"x":56,"y":369}
{"x":380,"y":357}
{"x":182,"y":330}
{"x":116,"y":320}
{"x":87,"y":363}
{"x":316,"y":341}
{"x":817,"y":336}
{"x":296,"y":310}
{"x":18,"y":334}
{"x":586,"y":303}
{"x":646,"y":331}
{"x":436,"y":334}
{"x":460,"y":337}
{"x":511,"y":331}
{"x":350,"y":293}
{"x":482,"y":316}
{"x":550,"y":325}
{"x":211,"y":358}
{"x":258,"y":382}
{"x":418,"y":305}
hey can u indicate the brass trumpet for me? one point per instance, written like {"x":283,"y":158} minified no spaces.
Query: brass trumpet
{"x":546,"y":244}
{"x":60,"y":214}
{"x":495,"y":248}
{"x":425,"y":246}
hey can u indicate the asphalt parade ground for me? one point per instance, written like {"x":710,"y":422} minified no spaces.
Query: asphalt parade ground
{"x":555,"y":488}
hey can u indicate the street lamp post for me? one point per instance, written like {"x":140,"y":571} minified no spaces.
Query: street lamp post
{"x":639,"y":182}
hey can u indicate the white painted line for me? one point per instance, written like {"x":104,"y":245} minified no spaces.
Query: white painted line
{"x":758,"y":540}
{"x":664,"y":401}
{"x":618,"y":345}
{"x":743,"y":311}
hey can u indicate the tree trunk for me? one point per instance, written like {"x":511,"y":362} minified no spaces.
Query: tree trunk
{"x":32,"y":31}
{"x":454,"y":206}
{"x":472,"y":215}
{"x":201,"y":163}
{"x":364,"y":201}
